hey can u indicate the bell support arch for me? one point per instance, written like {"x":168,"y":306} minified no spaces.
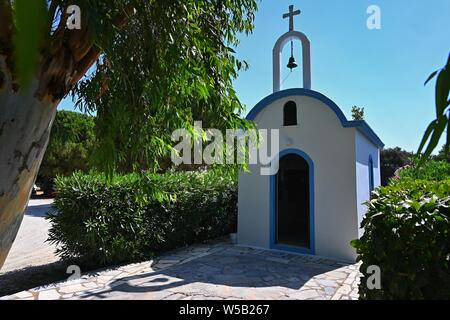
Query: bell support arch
{"x":306,"y":58}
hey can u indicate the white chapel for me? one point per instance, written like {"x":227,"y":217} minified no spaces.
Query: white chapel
{"x":326,"y":168}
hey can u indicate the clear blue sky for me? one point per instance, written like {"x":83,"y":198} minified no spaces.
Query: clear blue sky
{"x":380,"y":70}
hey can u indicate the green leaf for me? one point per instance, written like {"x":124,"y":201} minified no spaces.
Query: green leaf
{"x":427,"y":134}
{"x":431,"y":77}
{"x":30,"y":18}
{"x":355,"y":243}
{"x":434,"y":140}
{"x":437,"y":127}
{"x":442,"y":91}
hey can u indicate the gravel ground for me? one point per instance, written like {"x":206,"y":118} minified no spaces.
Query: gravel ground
{"x":31,"y":260}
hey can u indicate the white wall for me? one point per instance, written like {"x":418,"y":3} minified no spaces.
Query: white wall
{"x":332,"y":149}
{"x":365,"y":149}
{"x":253,"y":206}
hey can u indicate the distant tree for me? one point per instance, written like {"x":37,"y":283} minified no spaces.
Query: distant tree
{"x":69,"y":149}
{"x":357,"y":113}
{"x":392,"y":159}
{"x":443,"y":155}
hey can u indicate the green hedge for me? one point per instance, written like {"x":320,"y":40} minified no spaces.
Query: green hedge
{"x":131,"y":217}
{"x":407,"y":235}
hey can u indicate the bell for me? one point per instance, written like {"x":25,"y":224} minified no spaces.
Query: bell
{"x":291,"y":64}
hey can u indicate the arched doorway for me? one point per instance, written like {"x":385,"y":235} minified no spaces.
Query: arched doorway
{"x":293,"y":202}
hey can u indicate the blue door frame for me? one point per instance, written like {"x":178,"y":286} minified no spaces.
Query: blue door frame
{"x":273,"y":206}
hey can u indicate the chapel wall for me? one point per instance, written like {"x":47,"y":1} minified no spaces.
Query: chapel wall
{"x":331,"y":147}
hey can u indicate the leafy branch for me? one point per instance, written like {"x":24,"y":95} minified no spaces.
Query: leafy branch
{"x":435,"y":129}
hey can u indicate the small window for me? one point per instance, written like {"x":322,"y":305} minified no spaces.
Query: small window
{"x":371,"y":184}
{"x":290,"y":114}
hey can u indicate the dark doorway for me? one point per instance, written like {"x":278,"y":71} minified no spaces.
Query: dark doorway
{"x":292,"y":218}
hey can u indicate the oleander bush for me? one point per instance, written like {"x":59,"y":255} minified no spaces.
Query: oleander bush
{"x":101,"y":221}
{"x":407,"y":229}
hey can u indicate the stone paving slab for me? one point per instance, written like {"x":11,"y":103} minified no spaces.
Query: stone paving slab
{"x":218,"y":271}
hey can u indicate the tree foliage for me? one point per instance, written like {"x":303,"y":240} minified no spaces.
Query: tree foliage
{"x":391,"y":160}
{"x":152,"y":65}
{"x":357,"y":113}
{"x":69,"y":149}
{"x":442,"y":155}
{"x":181,"y":72}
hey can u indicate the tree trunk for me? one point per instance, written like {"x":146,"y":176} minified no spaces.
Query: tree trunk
{"x":25,"y":124}
{"x":26,"y":116}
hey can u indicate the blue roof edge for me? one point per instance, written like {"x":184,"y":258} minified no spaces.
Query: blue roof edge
{"x":360,"y":125}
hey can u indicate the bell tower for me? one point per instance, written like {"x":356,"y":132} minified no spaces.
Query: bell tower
{"x":290,"y":36}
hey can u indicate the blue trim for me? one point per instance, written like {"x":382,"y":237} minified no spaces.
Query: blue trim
{"x":371,"y":181}
{"x":360,"y":125}
{"x":273,"y":209}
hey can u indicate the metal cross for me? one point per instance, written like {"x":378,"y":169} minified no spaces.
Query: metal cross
{"x":291,"y":15}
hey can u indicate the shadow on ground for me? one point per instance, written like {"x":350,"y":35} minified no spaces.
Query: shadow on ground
{"x":30,"y":277}
{"x":207,"y":277}
{"x":39,"y":210}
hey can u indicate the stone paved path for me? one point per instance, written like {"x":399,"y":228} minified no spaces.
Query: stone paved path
{"x":30,"y":247}
{"x":214,"y":271}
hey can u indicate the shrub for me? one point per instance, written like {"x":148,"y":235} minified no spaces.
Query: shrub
{"x":102,"y":222}
{"x":430,"y":171}
{"x":407,"y":235}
